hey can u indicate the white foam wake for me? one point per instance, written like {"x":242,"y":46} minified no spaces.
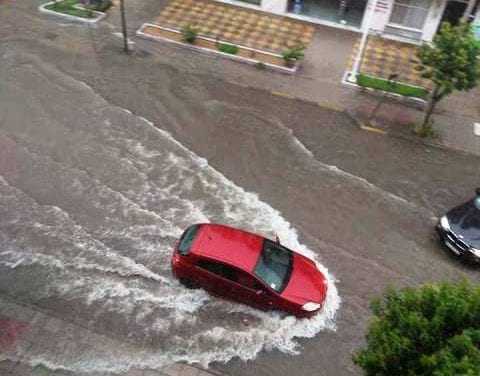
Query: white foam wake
{"x":103,"y":239}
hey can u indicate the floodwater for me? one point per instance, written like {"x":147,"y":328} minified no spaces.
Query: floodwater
{"x":92,"y":198}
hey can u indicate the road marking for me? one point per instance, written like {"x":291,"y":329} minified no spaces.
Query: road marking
{"x":328,"y":106}
{"x":280,"y":94}
{"x":372,"y":129}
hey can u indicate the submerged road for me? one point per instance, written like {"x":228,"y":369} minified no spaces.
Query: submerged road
{"x":104,"y":159}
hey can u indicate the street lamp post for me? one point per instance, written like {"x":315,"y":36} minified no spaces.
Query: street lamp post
{"x":124,"y":27}
{"x":363,"y":42}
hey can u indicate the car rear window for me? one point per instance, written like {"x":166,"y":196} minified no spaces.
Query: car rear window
{"x":187,"y":239}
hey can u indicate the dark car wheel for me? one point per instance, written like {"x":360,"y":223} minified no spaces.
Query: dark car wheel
{"x":188,"y":283}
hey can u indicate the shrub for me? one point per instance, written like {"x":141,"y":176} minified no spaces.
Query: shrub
{"x":293,"y":54}
{"x":189,"y":34}
{"x":228,"y":48}
{"x":260,"y":65}
{"x":100,"y":5}
{"x":431,"y":330}
{"x":68,"y":7}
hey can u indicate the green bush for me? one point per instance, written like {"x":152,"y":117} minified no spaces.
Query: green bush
{"x":293,"y":54}
{"x":431,"y":330}
{"x":189,"y":34}
{"x":100,"y":5}
{"x":68,"y":7}
{"x":260,"y":65}
{"x":227,"y":48}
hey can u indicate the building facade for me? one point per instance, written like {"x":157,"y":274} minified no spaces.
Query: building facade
{"x":408,"y":20}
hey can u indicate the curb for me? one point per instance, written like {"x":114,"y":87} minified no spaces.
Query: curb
{"x":100,"y":15}
{"x":140,"y":33}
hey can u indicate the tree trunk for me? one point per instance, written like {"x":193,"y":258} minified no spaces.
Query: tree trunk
{"x":124,"y":27}
{"x":429,"y":111}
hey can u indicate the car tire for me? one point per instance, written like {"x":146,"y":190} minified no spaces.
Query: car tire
{"x":188,"y":283}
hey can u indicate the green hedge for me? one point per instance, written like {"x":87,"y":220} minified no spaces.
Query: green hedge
{"x":66,"y":6}
{"x":395,"y":87}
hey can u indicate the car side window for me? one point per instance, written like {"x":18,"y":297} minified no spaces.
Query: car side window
{"x":219,"y":269}
{"x":248,"y":281}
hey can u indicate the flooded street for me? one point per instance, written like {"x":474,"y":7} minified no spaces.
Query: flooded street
{"x":90,"y":208}
{"x":106,"y":158}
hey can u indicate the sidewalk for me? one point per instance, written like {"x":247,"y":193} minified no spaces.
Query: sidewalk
{"x":233,"y":24}
{"x":383,"y":58}
{"x":319,"y":80}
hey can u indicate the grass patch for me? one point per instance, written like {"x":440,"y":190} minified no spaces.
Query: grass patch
{"x":66,"y":7}
{"x":392,"y":87}
{"x":228,"y":48}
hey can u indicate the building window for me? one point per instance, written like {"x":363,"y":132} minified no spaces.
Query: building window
{"x":344,"y":12}
{"x":410,"y":13}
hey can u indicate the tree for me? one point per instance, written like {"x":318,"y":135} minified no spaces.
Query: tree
{"x":450,"y":62}
{"x":431,"y":330}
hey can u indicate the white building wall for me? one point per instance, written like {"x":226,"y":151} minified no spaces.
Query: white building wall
{"x":271,"y":6}
{"x":383,"y":10}
{"x":433,"y":19}
{"x":380,"y":15}
{"x":275,"y":6}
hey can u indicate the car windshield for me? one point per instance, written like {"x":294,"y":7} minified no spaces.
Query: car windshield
{"x":274,"y":265}
{"x":187,"y":239}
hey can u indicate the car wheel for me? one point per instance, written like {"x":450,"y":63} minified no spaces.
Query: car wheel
{"x":188,"y":283}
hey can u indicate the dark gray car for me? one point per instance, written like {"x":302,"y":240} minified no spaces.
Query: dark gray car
{"x":459,"y":229}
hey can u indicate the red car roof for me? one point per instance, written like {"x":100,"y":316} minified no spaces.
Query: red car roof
{"x":235,"y":247}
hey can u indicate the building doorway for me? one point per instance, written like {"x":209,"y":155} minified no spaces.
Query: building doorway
{"x":343,"y":12}
{"x":454,"y":12}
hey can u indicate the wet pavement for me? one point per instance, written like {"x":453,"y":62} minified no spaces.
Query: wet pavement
{"x":104,"y":159}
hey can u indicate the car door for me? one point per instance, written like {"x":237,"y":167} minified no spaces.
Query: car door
{"x":232,"y":283}
{"x":252,"y":292}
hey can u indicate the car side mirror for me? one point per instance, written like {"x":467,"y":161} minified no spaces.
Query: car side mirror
{"x":477,"y":191}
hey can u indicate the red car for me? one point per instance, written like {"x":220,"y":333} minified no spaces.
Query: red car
{"x":248,"y":268}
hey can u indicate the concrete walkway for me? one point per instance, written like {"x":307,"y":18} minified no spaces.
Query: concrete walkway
{"x":383,"y":57}
{"x":233,"y":24}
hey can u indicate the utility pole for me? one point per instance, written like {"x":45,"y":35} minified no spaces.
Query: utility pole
{"x":124,"y":27}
